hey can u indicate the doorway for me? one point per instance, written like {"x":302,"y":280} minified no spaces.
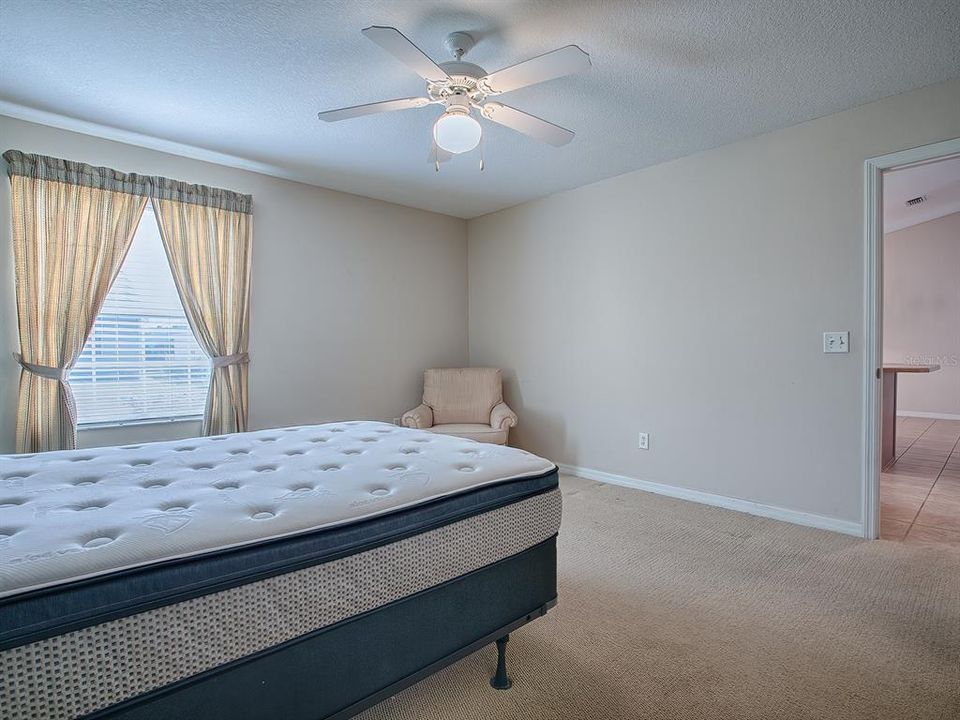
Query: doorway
{"x":911,"y":486}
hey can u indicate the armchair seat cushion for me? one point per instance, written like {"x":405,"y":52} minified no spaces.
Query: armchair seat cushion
{"x":472,"y":431}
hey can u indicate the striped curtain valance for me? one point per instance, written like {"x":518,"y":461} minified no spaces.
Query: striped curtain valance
{"x":42,"y":167}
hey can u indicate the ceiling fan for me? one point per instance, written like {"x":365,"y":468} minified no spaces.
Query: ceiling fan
{"x":462,"y":87}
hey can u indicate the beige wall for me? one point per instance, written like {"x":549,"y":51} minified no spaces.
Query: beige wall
{"x":351,"y":297}
{"x":688,"y":300}
{"x":921,"y":313}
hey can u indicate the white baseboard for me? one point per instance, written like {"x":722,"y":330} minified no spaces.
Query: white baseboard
{"x":930,"y":415}
{"x":822,"y":522}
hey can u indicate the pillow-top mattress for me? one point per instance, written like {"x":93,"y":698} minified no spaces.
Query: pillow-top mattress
{"x":73,"y":515}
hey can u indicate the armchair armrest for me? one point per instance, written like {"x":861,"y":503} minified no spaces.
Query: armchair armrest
{"x":502,"y":417}
{"x":419,"y":418}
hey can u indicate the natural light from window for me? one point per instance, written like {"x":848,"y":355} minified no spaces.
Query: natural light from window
{"x":141,"y":361}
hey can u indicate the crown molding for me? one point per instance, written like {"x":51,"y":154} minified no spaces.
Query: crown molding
{"x":128,"y":137}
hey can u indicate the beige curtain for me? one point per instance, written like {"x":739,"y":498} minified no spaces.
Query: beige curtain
{"x":69,"y":241}
{"x":208,"y":246}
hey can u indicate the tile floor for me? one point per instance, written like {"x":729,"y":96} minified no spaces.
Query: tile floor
{"x":920,"y":489}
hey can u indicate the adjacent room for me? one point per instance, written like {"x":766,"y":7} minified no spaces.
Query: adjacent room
{"x":479,"y":360}
{"x":920,"y":484}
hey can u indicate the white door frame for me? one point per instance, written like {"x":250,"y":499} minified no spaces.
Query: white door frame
{"x":873,"y":312}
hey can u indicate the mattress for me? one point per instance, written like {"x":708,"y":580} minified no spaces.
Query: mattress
{"x":71,"y":515}
{"x":123,"y":570}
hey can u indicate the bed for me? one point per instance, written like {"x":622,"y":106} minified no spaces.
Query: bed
{"x":303,"y":572}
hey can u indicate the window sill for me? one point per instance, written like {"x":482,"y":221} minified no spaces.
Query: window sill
{"x":137,"y":423}
{"x":130,"y":433}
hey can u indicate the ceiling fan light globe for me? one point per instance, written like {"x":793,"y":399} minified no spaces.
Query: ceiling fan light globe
{"x":457,"y":132}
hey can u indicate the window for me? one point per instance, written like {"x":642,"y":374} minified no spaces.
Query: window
{"x":141,"y":361}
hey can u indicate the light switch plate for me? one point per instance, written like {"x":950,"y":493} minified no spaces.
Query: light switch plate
{"x":643,"y":441}
{"x":836,"y":341}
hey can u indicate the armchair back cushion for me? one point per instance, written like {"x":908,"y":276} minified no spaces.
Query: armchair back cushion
{"x":462,"y":395}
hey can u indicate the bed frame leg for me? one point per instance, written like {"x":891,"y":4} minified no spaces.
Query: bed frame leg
{"x":501,"y":680}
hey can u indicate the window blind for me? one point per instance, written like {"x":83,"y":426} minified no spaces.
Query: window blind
{"x":141,"y":361}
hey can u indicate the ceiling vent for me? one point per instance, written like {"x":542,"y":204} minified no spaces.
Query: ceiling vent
{"x":916,"y":201}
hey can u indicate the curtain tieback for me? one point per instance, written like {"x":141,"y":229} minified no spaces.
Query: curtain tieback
{"x":44,"y":371}
{"x":225,"y":360}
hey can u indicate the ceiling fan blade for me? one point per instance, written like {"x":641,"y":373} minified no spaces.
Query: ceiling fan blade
{"x":371,"y":108}
{"x":398,"y":45}
{"x":527,"y":124}
{"x":565,"y":61}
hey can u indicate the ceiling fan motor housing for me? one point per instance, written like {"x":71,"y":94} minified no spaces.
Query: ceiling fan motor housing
{"x":465,"y":69}
{"x":461,"y":83}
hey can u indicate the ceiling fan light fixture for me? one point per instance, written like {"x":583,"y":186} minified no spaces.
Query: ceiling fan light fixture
{"x":456,"y":132}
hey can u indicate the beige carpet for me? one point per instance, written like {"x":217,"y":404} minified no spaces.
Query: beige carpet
{"x":670,"y":609}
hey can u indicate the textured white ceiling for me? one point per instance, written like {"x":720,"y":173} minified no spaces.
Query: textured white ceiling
{"x":938,"y":182}
{"x":670,"y":77}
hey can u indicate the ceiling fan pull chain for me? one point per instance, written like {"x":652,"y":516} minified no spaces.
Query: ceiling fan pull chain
{"x":481,"y":153}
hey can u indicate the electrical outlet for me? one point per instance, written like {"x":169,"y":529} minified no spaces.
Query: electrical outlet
{"x":837,"y":341}
{"x":643,"y":441}
{"x":396,"y":421}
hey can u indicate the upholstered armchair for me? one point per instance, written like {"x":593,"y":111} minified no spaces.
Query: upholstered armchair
{"x":466,"y":402}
